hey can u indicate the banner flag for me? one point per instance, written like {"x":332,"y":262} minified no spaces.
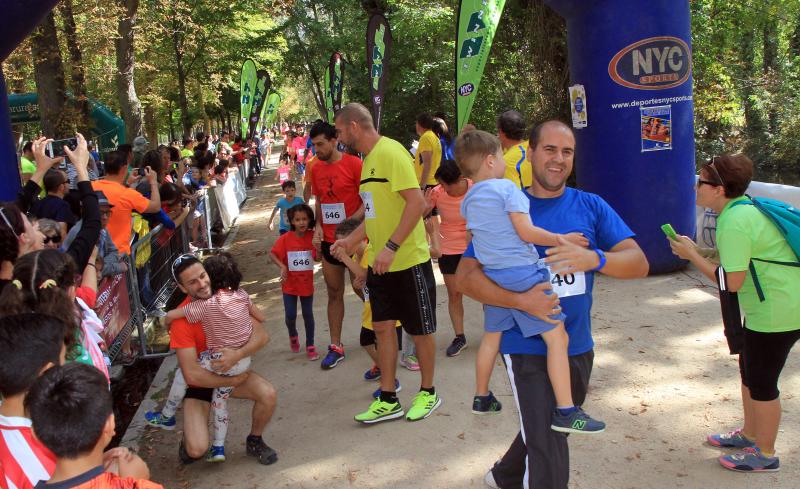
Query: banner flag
{"x":477,"y":24}
{"x":379,"y":45}
{"x":263,"y":83}
{"x":270,"y":110}
{"x":248,"y":86}
{"x":336,"y":77}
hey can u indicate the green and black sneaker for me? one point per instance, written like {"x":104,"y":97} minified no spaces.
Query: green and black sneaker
{"x":380,"y":411}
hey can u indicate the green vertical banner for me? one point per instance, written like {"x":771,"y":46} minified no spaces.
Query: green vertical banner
{"x":477,"y":24}
{"x":248,"y":86}
{"x":271,"y":108}
{"x":379,"y":44}
{"x":336,"y":72}
{"x":263,"y":83}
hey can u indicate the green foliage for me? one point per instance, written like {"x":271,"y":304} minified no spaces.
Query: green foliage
{"x":746,"y":65}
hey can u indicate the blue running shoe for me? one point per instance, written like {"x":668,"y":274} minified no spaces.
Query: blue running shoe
{"x":373,"y":374}
{"x":733,"y":439}
{"x":332,"y":359}
{"x":750,"y":459}
{"x":215,"y":454}
{"x":397,"y":388}
{"x":155,"y":418}
{"x":576,"y":422}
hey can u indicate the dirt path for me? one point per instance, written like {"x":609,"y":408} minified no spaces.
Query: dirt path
{"x":662,"y":380}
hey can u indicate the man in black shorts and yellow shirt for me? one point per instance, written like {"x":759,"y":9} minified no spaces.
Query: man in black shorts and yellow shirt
{"x":400,"y":276}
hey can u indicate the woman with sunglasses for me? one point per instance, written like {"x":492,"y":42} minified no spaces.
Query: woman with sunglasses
{"x":19,"y":237}
{"x":51,"y":230}
{"x":745,"y":237}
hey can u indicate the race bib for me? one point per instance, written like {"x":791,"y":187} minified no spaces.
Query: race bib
{"x":301,"y":152}
{"x":300,"y":261}
{"x":284,"y":177}
{"x":369,"y":205}
{"x":333,"y":213}
{"x":566,"y":284}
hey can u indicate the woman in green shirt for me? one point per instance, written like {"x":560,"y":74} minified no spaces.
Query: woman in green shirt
{"x":772,"y":326}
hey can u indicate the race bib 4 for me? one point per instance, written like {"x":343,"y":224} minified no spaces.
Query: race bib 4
{"x":369,"y":205}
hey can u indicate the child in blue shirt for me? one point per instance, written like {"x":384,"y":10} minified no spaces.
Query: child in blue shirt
{"x":503,"y":236}
{"x":285,"y":203}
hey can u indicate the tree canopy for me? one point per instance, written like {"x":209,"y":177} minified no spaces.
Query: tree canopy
{"x":187,"y":54}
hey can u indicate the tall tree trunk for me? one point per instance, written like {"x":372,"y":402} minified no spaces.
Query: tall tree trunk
{"x":201,"y":105}
{"x":150,"y":124}
{"x":48,"y":71}
{"x":183,"y":102}
{"x":77,"y":73}
{"x":171,"y":113}
{"x":126,"y":90}
{"x":771,"y":70}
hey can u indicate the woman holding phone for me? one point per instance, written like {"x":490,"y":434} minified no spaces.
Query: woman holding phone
{"x":745,"y":238}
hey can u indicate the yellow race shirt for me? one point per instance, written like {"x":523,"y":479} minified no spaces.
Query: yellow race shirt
{"x":518,"y":168}
{"x":428,"y":142}
{"x":386,"y":171}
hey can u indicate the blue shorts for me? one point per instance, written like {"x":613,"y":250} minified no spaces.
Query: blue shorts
{"x":517,"y":279}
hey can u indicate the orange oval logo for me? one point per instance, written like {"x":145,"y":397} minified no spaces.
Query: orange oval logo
{"x":655,"y":63}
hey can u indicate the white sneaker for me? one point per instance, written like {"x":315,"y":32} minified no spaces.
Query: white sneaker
{"x":489,"y":480}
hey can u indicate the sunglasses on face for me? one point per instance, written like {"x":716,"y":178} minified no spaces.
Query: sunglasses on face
{"x":178,"y":261}
{"x":55,"y":239}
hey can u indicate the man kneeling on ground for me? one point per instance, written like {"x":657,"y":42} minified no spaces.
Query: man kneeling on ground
{"x":189,"y":342}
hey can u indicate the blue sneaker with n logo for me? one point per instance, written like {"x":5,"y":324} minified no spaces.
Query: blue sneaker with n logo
{"x":576,"y":422}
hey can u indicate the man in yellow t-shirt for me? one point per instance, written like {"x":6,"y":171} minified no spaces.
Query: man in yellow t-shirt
{"x":27,"y":166}
{"x":511,"y":130}
{"x":429,"y":152}
{"x":400,"y":276}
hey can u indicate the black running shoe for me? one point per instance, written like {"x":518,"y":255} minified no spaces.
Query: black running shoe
{"x":260,"y":450}
{"x":458,"y":344}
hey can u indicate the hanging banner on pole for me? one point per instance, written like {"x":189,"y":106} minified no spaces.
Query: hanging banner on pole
{"x":248,"y":86}
{"x":263,"y":83}
{"x":379,"y":44}
{"x":477,"y":24}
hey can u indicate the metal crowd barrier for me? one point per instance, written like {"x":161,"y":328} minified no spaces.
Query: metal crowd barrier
{"x":125,"y":301}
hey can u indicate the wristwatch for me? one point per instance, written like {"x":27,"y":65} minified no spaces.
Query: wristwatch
{"x":602,"y":257}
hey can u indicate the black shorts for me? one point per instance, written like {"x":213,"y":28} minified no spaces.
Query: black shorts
{"x":762,"y":359}
{"x":326,"y":254}
{"x":200,"y":393}
{"x":449,"y":263}
{"x":408,"y":296}
{"x":368,"y":338}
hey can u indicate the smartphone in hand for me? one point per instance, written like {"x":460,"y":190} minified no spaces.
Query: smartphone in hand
{"x":56,"y":148}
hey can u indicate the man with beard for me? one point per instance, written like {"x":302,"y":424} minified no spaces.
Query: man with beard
{"x":189,"y":341}
{"x":334,"y":182}
{"x":539,"y":456}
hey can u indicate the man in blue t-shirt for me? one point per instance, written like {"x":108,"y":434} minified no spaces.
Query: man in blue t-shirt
{"x":539,"y":457}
